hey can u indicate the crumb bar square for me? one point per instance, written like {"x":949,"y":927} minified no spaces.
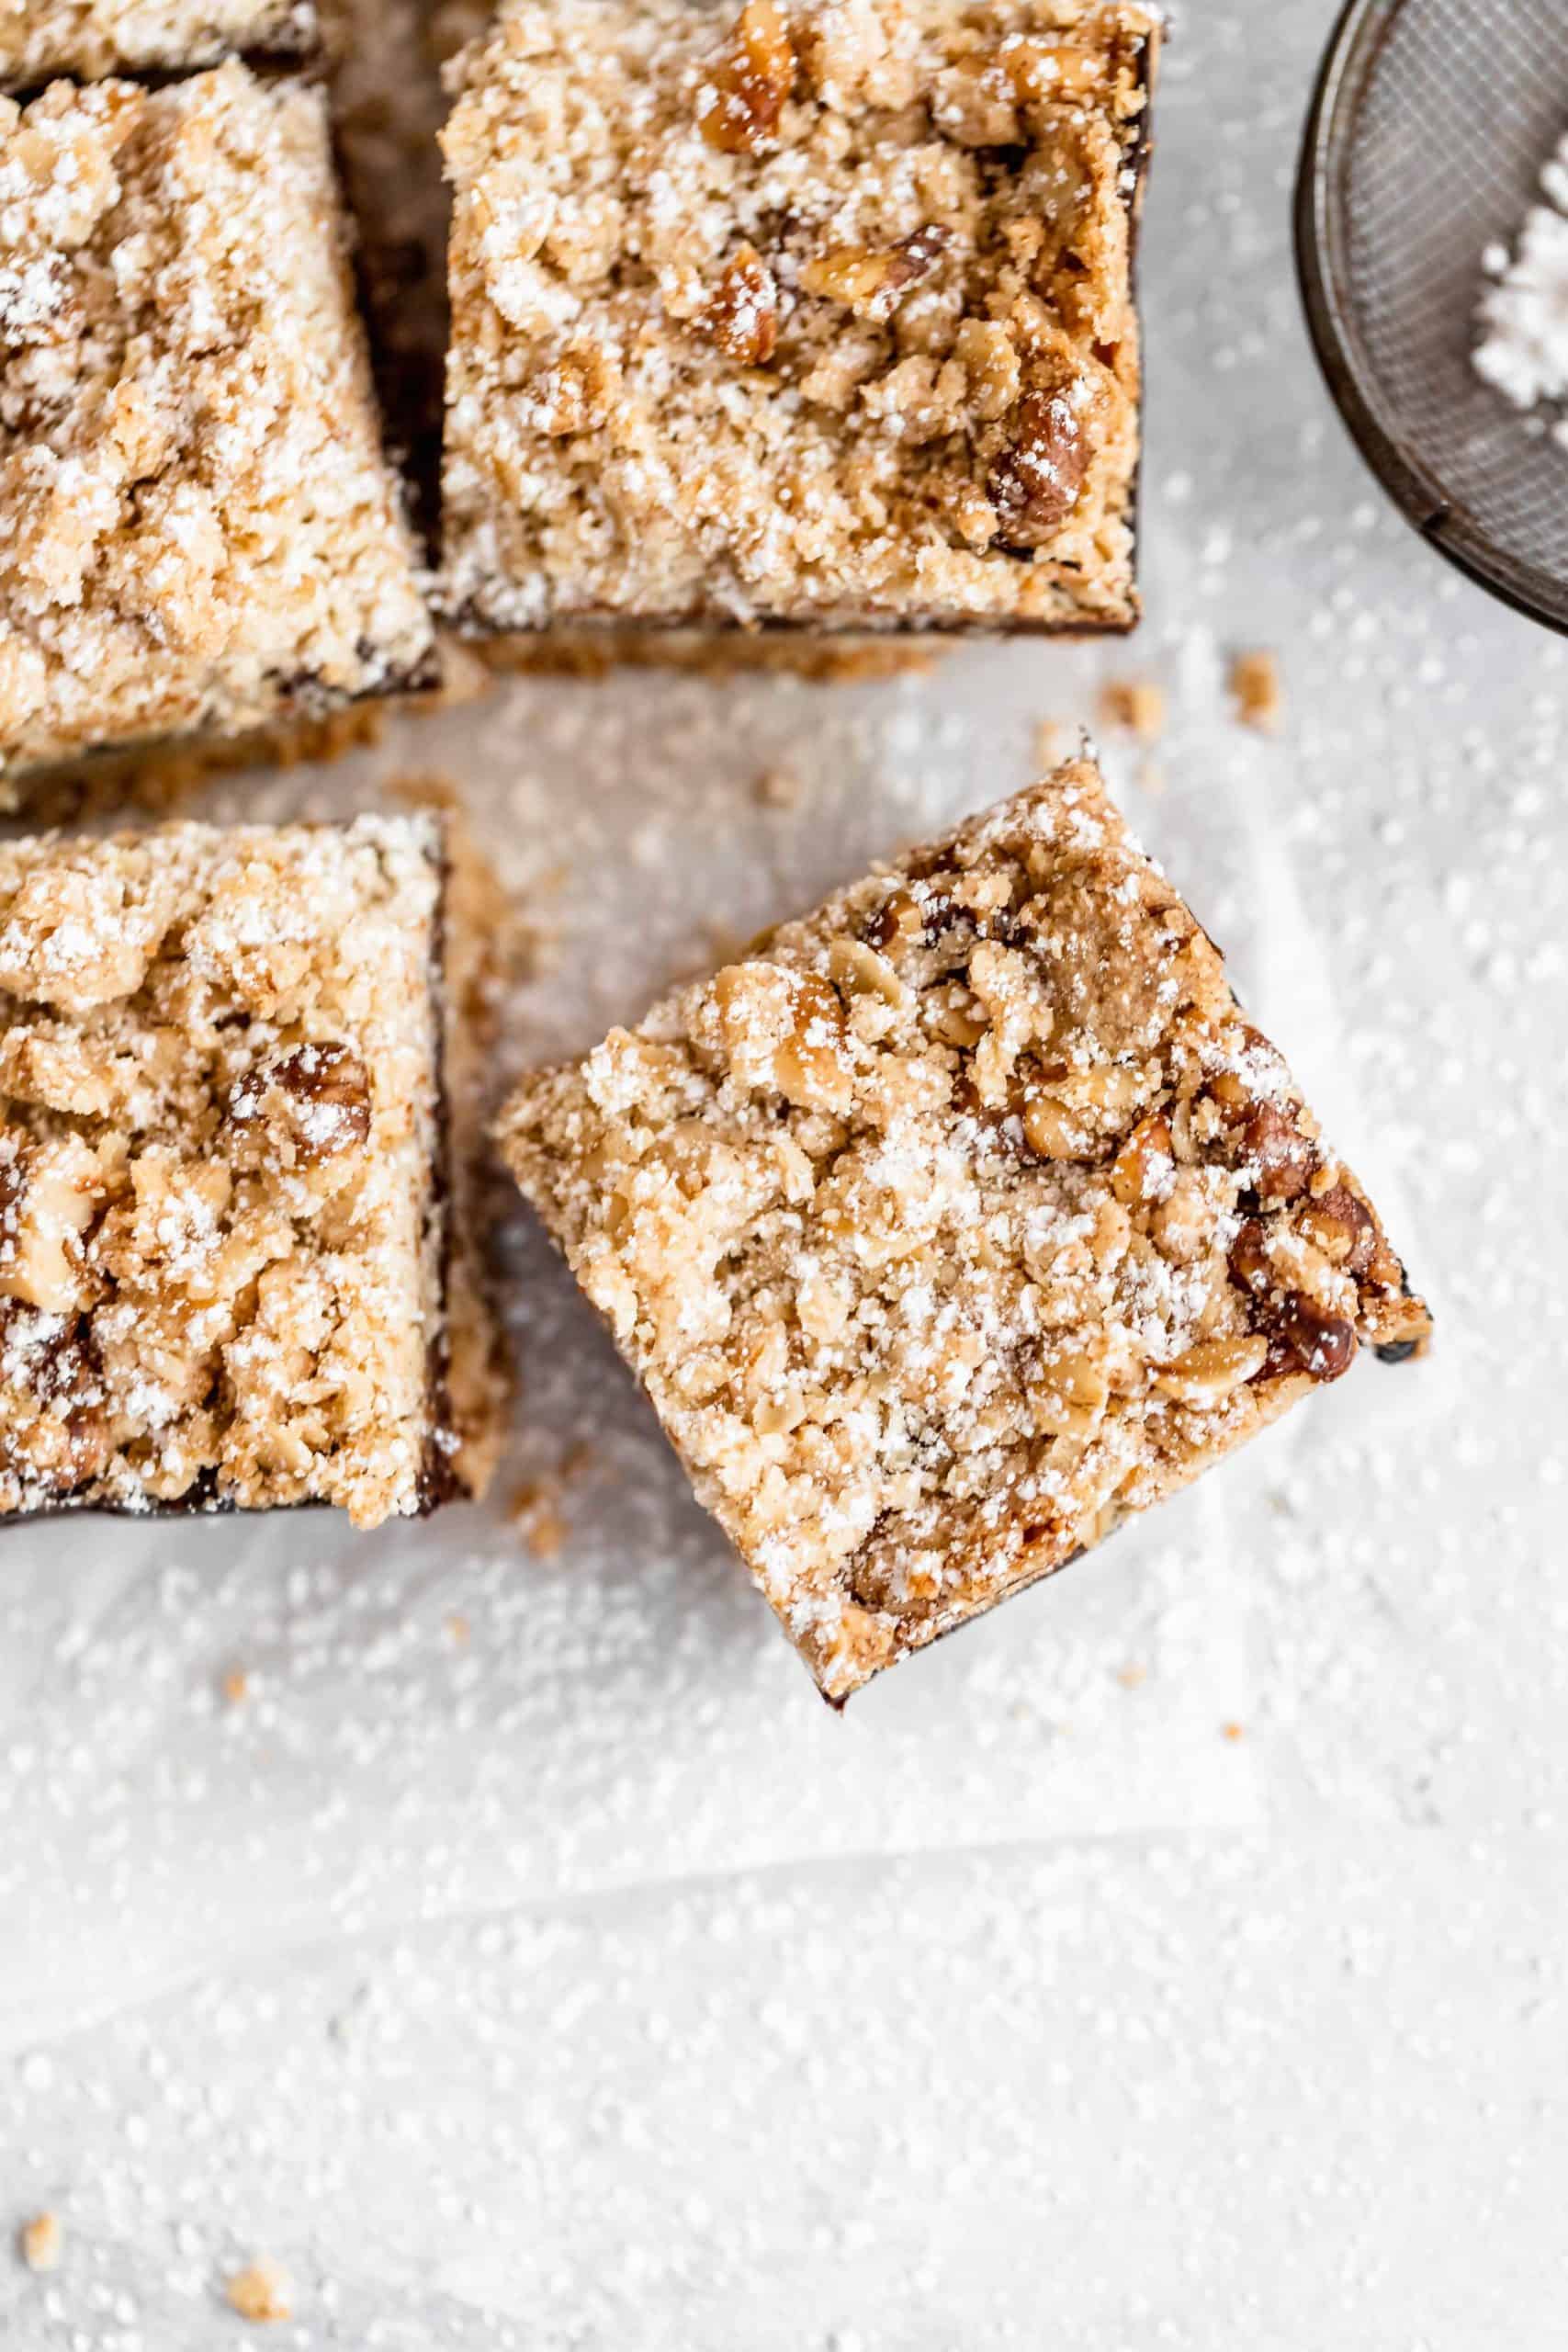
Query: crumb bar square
{"x":199,"y":531}
{"x":43,"y":37}
{"x":958,"y":1221}
{"x":805,"y":312}
{"x":229,"y":1272}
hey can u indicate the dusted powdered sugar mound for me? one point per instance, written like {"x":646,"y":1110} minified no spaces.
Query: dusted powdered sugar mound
{"x":1524,"y":315}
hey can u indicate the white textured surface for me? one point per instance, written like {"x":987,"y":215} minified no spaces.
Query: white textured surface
{"x":585,"y":1982}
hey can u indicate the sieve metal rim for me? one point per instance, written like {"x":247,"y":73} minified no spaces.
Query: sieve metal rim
{"x":1322,"y":245}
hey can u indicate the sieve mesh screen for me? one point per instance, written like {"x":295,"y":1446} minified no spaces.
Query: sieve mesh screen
{"x":1431,"y":151}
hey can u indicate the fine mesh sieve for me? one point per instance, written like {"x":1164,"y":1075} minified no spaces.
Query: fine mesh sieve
{"x":1424,"y":142}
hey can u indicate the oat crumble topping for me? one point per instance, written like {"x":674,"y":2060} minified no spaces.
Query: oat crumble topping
{"x":200,"y":529}
{"x":819,"y":312}
{"x":39,"y":37}
{"x":223,"y":1196}
{"x":955,"y":1222}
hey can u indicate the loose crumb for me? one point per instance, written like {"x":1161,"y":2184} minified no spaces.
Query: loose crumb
{"x":1136,"y":706}
{"x":1232,"y":1731}
{"x":537,"y":1507}
{"x":260,"y":2293}
{"x":1131,"y":1675}
{"x":536,"y":1514}
{"x":458,"y":1631}
{"x":236,"y":1686}
{"x":779,"y":788}
{"x":1256,"y":690}
{"x":41,"y":2242}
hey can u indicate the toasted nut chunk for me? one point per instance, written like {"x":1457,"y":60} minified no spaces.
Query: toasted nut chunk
{"x":1274,"y":1146}
{"x":858,"y":970}
{"x":1038,"y":480}
{"x":869,"y":281}
{"x":898,"y":923}
{"x":1250,"y":1268}
{"x":1322,"y":1343}
{"x":742,"y":104}
{"x":989,"y":358}
{"x":1345,"y":1230}
{"x":1209,"y":1372}
{"x":743,"y":316}
{"x":63,"y":1375}
{"x":48,"y":1198}
{"x":314,"y":1102}
{"x":1071,"y":1394}
{"x":1053,"y":1132}
{"x":809,"y":1065}
{"x":1143,"y":1168}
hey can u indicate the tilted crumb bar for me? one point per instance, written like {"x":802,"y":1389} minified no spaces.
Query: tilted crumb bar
{"x":802,"y":312}
{"x":199,"y":531}
{"x":41,"y":37}
{"x":228,"y":1274}
{"x":961,"y":1219}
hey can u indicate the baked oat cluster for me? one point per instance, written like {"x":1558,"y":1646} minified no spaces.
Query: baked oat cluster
{"x":228,"y":1274}
{"x":955,"y":1223}
{"x":202,"y":531}
{"x":804,"y":311}
{"x":39,"y":37}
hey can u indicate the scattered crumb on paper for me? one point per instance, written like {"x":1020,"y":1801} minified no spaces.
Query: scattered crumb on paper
{"x":259,"y":2293}
{"x":41,"y":2242}
{"x":1256,"y":690}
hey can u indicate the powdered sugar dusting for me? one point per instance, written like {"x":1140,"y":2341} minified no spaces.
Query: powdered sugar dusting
{"x":526,"y":1958}
{"x":1523,"y":314}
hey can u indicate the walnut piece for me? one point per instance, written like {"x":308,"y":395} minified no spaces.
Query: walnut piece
{"x":49,"y":1193}
{"x":746,"y":96}
{"x":870,"y":281}
{"x":1036,"y":482}
{"x":743,"y":316}
{"x":312,"y":1102}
